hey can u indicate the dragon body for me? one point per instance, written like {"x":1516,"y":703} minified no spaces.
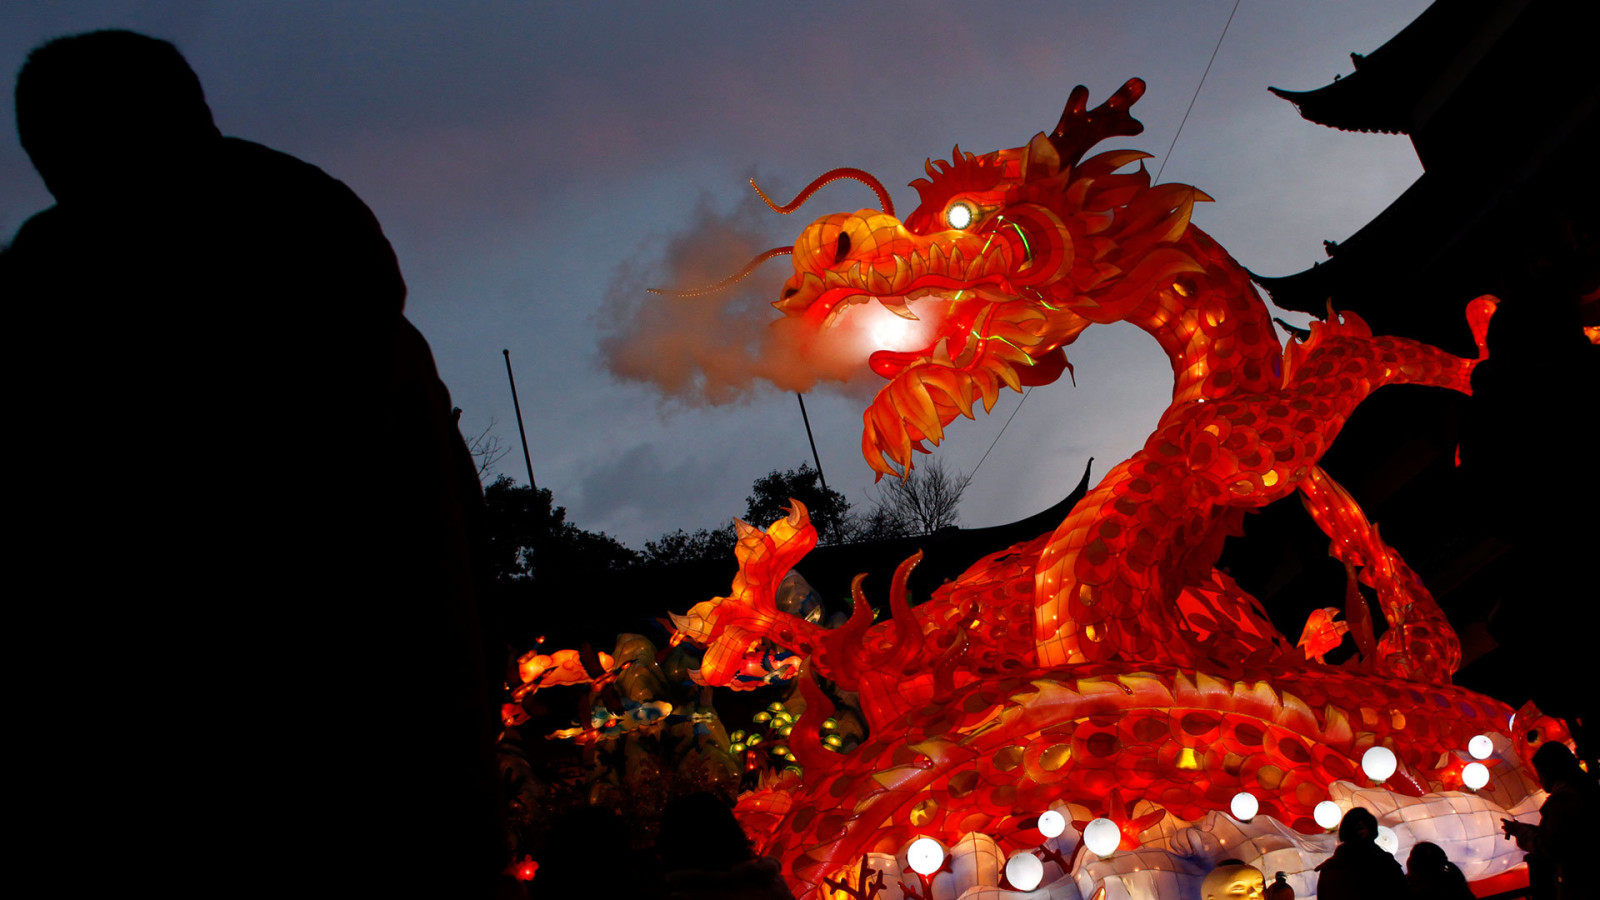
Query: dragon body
{"x":1108,"y":668}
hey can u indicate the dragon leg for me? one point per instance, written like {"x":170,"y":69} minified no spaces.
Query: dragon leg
{"x":1420,"y":645}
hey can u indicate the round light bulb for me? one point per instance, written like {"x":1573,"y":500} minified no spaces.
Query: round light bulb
{"x":1024,"y":871}
{"x":1387,"y":839}
{"x":1328,"y":814}
{"x":1379,"y":763}
{"x":1244,"y":806}
{"x":925,"y":855}
{"x":1052,"y":824}
{"x":959,"y":216}
{"x":1480,"y":747}
{"x":1102,"y":837}
{"x":1475,"y":775}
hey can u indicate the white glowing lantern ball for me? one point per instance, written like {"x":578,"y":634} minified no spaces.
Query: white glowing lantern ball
{"x":1475,"y":775}
{"x":1379,"y":763}
{"x":1480,"y":747}
{"x":925,"y":856}
{"x":1052,"y":824}
{"x":1328,"y":814}
{"x":1244,"y":806}
{"x":1024,"y":871}
{"x":1102,"y":837}
{"x":1387,"y":839}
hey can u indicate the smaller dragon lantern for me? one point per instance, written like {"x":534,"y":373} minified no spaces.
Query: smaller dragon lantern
{"x":1107,"y":673}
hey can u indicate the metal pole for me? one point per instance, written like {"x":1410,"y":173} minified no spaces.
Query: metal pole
{"x":814,"y":457}
{"x":520,"y":430}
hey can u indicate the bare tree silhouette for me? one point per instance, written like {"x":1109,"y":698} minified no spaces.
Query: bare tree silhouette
{"x":923,"y":502}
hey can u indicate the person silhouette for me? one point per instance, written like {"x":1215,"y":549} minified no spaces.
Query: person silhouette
{"x":1433,"y":876}
{"x":1359,"y":869}
{"x":205,"y":335}
{"x":1566,"y":832}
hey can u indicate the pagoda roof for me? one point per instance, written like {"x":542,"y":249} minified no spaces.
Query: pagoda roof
{"x":1391,"y":83}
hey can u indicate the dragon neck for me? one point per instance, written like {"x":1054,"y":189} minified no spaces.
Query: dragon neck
{"x":1213,"y":326}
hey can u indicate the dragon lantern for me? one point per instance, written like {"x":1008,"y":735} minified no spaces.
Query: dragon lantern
{"x":1107,"y":670}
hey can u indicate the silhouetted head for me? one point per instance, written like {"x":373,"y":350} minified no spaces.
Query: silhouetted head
{"x":1555,"y":764}
{"x":1426,"y":858}
{"x":107,"y":114}
{"x":1358,"y":823}
{"x":698,"y":831}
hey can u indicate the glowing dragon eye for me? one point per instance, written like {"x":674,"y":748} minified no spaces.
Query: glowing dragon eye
{"x":959,"y":215}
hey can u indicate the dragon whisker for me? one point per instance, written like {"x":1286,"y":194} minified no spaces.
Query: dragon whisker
{"x":827,"y":178}
{"x":725,"y":283}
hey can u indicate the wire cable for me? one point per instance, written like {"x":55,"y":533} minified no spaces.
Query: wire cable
{"x":1196,"y":96}
{"x":974,"y":473}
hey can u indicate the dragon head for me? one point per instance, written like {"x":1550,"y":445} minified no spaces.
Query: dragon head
{"x":1006,"y":260}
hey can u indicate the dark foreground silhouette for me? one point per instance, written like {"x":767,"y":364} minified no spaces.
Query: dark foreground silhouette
{"x":243,"y":586}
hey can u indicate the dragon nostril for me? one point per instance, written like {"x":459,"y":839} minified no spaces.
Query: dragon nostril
{"x":844,"y":248}
{"x":790,"y":292}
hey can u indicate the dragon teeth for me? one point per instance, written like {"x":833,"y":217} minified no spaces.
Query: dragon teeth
{"x":975,"y":267}
{"x":902,"y":275}
{"x":876,"y":282}
{"x":995,"y":264}
{"x":919,"y":265}
{"x":897,"y":305}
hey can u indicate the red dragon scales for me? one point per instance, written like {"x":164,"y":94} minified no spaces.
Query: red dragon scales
{"x":1108,"y":669}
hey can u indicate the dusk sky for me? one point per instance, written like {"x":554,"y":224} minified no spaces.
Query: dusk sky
{"x":532,"y":163}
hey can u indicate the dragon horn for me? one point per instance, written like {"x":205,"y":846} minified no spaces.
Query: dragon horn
{"x":1081,"y":128}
